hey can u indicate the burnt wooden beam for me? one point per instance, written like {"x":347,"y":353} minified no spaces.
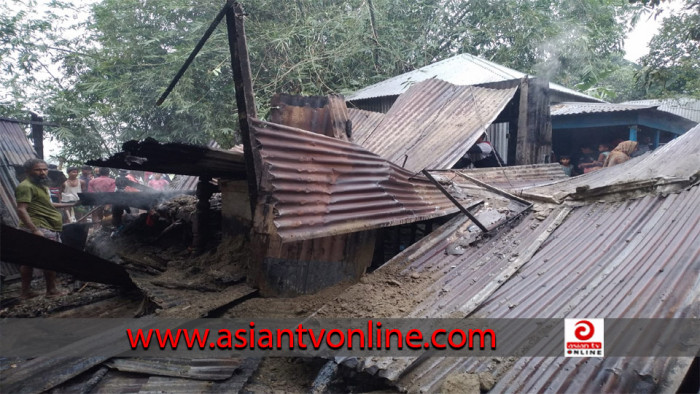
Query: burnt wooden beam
{"x":534,"y":135}
{"x":245,"y":99}
{"x":141,"y":200}
{"x":37,"y":125}
{"x":23,"y":248}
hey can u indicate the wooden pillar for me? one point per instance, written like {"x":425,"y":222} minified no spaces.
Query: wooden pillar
{"x":245,"y":100}
{"x":633,"y":133}
{"x":534,"y":135}
{"x":38,"y":135}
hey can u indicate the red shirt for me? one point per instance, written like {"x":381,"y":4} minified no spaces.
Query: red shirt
{"x":101,"y":185}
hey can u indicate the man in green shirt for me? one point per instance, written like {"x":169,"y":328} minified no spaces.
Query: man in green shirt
{"x":39,"y":216}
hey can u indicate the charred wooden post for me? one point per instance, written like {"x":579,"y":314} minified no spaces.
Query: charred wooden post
{"x":200,"y":225}
{"x":38,"y":134}
{"x":534,"y":141}
{"x":245,"y":100}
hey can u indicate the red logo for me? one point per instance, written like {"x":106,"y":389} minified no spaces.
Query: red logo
{"x":584,"y":332}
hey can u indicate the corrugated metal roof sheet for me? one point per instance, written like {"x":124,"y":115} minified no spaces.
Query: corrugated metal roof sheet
{"x":363,"y":122}
{"x":686,"y":107}
{"x":606,"y":260}
{"x":594,"y":108}
{"x":434,"y":123}
{"x":458,"y":279}
{"x":321,"y":186}
{"x":678,"y":160}
{"x":463,"y":69}
{"x":515,"y":178}
{"x":15,"y":149}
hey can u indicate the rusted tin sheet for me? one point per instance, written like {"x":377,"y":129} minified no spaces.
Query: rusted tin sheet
{"x":632,"y":259}
{"x":434,"y":123}
{"x":595,"y":108}
{"x":316,"y":186}
{"x":363,"y":122}
{"x":674,"y":163}
{"x":513,"y":178}
{"x":15,"y":149}
{"x":150,"y":155}
{"x":327,"y":115}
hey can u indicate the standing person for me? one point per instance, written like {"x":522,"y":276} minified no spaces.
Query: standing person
{"x":157,"y":183}
{"x":86,"y":176}
{"x":69,"y":191}
{"x":621,"y":153}
{"x":39,"y":217}
{"x":101,"y":184}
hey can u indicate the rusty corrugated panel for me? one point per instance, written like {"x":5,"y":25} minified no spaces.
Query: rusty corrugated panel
{"x":363,"y":122}
{"x":15,"y":149}
{"x":320,"y":186}
{"x":632,"y":259}
{"x":514,"y":178}
{"x":325,"y":115}
{"x":562,"y":109}
{"x":434,"y":123}
{"x":678,"y":160}
{"x":178,"y":158}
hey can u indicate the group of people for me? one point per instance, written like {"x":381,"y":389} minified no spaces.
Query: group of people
{"x":39,"y":201}
{"x":589,"y":160}
{"x":90,"y":180}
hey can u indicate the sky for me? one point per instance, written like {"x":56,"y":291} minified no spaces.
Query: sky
{"x":637,"y":42}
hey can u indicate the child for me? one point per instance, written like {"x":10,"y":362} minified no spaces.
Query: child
{"x":566,"y":165}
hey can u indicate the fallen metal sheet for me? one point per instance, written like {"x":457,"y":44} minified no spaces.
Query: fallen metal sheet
{"x":315,"y":186}
{"x":434,"y":123}
{"x":363,"y":122}
{"x":235,"y":384}
{"x":462,"y":282}
{"x":45,"y":372}
{"x":198,"y":368}
{"x":632,"y":259}
{"x":673,"y":166}
{"x":142,"y":200}
{"x":188,"y":303}
{"x":150,"y":155}
{"x":23,"y":248}
{"x":514,"y":178}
